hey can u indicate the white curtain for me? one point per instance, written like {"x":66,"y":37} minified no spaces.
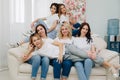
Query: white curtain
{"x":41,"y":8}
{"x":23,"y":12}
{"x":4,"y":32}
{"x":15,"y":18}
{"x":20,"y":18}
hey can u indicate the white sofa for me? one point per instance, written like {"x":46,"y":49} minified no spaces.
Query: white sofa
{"x":22,"y":71}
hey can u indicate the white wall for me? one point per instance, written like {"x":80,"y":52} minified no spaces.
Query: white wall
{"x":43,"y":9}
{"x":17,"y":29}
{"x":4,"y":31}
{"x":0,"y":29}
{"x":99,"y":11}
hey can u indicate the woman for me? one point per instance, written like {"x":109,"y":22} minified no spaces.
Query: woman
{"x":65,"y":65}
{"x":83,"y":67}
{"x":36,"y":61}
{"x":51,"y":25}
{"x":62,"y":13}
{"x":51,"y":21}
{"x":85,"y":42}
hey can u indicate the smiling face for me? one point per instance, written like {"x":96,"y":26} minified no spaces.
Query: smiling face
{"x":53,"y":9}
{"x":63,"y":9}
{"x":64,"y":31}
{"x":36,"y":40}
{"x":40,"y":29}
{"x":84,"y":30}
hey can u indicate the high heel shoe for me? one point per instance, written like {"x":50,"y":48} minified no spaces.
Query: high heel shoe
{"x":114,"y":71}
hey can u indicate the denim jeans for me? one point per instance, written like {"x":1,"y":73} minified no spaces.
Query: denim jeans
{"x":36,"y":61}
{"x":83,"y":69}
{"x":65,"y":66}
{"x":72,"y":49}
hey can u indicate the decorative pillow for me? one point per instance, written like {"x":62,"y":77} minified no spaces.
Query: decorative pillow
{"x":19,"y":51}
{"x":99,"y":42}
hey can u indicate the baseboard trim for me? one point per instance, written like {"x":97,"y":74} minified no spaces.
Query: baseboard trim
{"x":3,"y":69}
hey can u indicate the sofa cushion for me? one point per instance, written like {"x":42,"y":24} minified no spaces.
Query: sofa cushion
{"x":27,"y":68}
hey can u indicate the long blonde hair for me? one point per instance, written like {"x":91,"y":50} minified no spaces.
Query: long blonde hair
{"x":60,"y":35}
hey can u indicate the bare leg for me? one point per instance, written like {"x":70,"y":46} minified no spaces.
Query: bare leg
{"x":111,"y":68}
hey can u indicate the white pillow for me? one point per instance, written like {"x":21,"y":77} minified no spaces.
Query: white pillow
{"x":19,"y":51}
{"x":99,"y":43}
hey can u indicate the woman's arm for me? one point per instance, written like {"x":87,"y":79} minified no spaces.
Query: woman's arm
{"x":60,"y":45}
{"x":53,"y":26}
{"x":28,"y":54}
{"x":93,"y":52}
{"x":37,"y":20}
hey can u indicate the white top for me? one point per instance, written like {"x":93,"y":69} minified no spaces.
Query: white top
{"x":48,"y":49}
{"x":51,"y":19}
{"x":68,"y":41}
{"x":81,"y":42}
{"x":64,"y":18}
{"x":49,"y":40}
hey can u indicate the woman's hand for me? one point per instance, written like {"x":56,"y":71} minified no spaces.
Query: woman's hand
{"x":89,"y":54}
{"x":24,"y":57}
{"x":93,"y":55}
{"x":60,"y":58}
{"x":30,"y":47}
{"x":28,"y":54}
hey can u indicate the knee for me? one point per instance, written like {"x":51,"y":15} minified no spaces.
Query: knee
{"x":88,"y":61}
{"x":45,"y":60}
{"x":36,"y":59}
{"x":78,"y":65}
{"x":67,"y":63}
{"x":55,"y":63}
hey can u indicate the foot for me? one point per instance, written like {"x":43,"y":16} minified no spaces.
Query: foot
{"x":114,"y":71}
{"x":12,"y":45}
{"x":28,"y":33}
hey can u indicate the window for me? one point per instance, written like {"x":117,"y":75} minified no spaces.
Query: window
{"x":17,"y":11}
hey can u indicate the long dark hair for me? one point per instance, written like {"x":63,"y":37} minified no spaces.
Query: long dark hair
{"x":88,"y":35}
{"x":56,"y":5}
{"x":41,"y":26}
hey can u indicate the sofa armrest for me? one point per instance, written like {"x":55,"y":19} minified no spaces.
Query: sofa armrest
{"x":13,"y":65}
{"x":15,"y":60}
